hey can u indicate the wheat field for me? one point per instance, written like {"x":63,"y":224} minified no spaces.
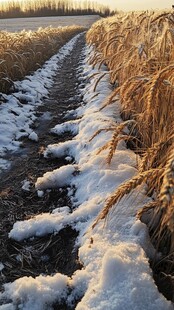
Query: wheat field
{"x":138,"y":49}
{"x":24,"y":52}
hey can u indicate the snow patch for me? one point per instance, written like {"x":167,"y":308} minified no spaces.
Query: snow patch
{"x":56,"y":178}
{"x":1,"y":266}
{"x":33,"y":136}
{"x":116,"y":273}
{"x":39,"y":293}
{"x":70,"y":126}
{"x":17,"y":112}
{"x":26,"y":185}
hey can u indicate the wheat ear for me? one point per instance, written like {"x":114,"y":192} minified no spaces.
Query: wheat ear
{"x":125,"y":189}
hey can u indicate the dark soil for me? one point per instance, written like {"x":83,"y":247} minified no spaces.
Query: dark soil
{"x":52,"y":253}
{"x":55,"y":252}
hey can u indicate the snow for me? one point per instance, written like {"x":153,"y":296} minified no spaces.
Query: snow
{"x":45,"y":290}
{"x":116,"y":273}
{"x":33,"y":136}
{"x":1,"y":266}
{"x":33,"y":23}
{"x":17,"y":109}
{"x":26,"y":185}
{"x":56,"y":178}
{"x":63,"y":149}
{"x":4,"y":164}
{"x":40,"y":194}
{"x":117,"y":286}
{"x":70,"y":126}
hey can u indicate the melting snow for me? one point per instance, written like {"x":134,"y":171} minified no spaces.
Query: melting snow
{"x":1,"y":266}
{"x":33,"y":136}
{"x":116,"y":273}
{"x":17,"y":109}
{"x":26,"y":185}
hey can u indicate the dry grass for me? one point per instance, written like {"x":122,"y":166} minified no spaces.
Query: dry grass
{"x":138,"y":49}
{"x":24,"y":52}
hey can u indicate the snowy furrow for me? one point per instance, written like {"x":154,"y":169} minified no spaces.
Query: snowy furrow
{"x":17,"y":109}
{"x":116,"y":273}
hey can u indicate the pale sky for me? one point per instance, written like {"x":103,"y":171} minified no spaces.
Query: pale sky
{"x":131,"y":5}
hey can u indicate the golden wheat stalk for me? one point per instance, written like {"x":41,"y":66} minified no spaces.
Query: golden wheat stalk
{"x":125,"y":189}
{"x":110,"y":99}
{"x":166,"y":195}
{"x":141,"y":62}
{"x":113,"y":145}
{"x":102,"y":148}
{"x":150,"y":156}
{"x":98,"y":80}
{"x":100,"y":130}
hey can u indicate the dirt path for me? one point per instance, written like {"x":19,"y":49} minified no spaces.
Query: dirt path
{"x":54,"y":253}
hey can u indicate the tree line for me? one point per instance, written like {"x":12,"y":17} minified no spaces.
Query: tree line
{"x":30,"y":8}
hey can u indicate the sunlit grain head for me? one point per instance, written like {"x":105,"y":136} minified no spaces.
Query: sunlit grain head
{"x":138,"y":49}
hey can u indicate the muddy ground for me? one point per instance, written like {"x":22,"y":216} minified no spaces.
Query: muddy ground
{"x":30,"y":256}
{"x":52,"y":253}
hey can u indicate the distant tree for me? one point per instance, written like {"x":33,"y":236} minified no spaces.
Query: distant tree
{"x":51,"y":7}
